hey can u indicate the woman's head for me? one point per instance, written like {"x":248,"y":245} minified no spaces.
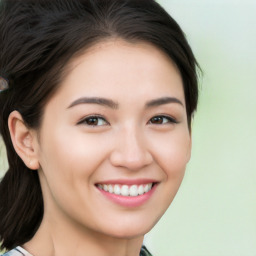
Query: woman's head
{"x":41,"y":42}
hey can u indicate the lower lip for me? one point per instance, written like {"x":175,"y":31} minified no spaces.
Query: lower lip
{"x":129,"y":201}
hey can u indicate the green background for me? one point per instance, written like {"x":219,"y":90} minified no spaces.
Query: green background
{"x":214,"y":212}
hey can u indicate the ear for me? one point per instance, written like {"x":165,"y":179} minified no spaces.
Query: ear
{"x":24,"y":140}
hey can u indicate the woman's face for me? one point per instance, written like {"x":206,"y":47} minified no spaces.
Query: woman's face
{"x":114,"y":140}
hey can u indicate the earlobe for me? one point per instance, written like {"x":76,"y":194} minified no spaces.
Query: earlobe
{"x":24,"y":140}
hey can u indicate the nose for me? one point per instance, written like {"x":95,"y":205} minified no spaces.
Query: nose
{"x":130,"y":151}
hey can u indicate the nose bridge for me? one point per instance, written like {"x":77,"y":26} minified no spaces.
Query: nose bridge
{"x":133,"y":145}
{"x":131,"y":149}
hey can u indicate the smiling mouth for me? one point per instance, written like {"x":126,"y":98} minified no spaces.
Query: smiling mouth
{"x":126,"y":190}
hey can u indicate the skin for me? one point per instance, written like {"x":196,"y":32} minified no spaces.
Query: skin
{"x":126,"y":142}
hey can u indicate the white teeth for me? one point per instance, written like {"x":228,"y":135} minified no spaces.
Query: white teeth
{"x":141,"y":190}
{"x":126,"y":190}
{"x":110,"y":189}
{"x":147,"y":187}
{"x":117,"y":190}
{"x":133,"y":190}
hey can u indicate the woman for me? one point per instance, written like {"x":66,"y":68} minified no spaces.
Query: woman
{"x":96,"y":105}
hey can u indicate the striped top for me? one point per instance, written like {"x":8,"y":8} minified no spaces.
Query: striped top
{"x":19,"y":251}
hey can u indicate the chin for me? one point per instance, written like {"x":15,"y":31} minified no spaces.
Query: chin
{"x":131,"y":231}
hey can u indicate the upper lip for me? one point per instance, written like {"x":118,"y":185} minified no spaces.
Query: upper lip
{"x":128,"y":181}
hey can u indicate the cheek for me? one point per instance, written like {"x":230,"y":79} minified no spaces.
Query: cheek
{"x":172,"y":153}
{"x":72,"y":157}
{"x":68,"y":164}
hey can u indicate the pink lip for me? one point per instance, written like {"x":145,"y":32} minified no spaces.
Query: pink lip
{"x":128,"y":201}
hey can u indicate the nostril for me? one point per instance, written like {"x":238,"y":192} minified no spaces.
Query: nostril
{"x":130,"y":160}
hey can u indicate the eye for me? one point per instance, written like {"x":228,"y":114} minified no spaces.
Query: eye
{"x":94,"y":121}
{"x":162,"y":120}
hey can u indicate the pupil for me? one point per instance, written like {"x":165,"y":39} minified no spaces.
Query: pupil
{"x":157,"y":120}
{"x":92,"y":121}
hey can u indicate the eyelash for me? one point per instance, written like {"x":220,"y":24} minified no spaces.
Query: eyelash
{"x":86,"y":120}
{"x":95,"y":117}
{"x":161,"y":117}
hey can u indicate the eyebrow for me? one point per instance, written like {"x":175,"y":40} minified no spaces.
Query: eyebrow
{"x":95,"y":100}
{"x":114,"y":105}
{"x":162,"y":101}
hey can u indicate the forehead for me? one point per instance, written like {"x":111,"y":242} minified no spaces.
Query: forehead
{"x":144,"y":53}
{"x":116,"y":67}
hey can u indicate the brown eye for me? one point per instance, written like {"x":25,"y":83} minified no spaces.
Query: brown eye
{"x":93,"y":121}
{"x":162,"y":120}
{"x":157,"y":120}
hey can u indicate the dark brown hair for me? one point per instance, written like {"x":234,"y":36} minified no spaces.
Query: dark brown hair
{"x":37,"y":40}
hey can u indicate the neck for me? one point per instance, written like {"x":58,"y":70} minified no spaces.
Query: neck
{"x":60,"y":239}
